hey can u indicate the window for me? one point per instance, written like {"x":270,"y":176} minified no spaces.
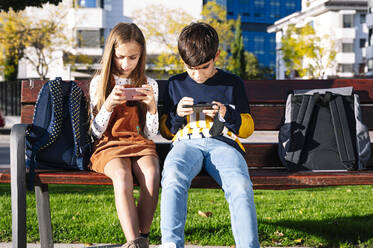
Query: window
{"x":362,"y":43}
{"x":90,"y":38}
{"x":348,"y":21}
{"x":370,"y":64}
{"x":362,"y":18}
{"x":290,"y":5}
{"x":259,"y":45}
{"x":258,"y":14}
{"x":275,"y":11}
{"x":346,"y":67}
{"x":361,"y":68}
{"x":370,"y":37}
{"x":347,"y":48}
{"x":259,"y":3}
{"x":90,"y":3}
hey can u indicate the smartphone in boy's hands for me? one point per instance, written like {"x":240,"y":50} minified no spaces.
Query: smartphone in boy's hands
{"x":130,"y":93}
{"x":199,"y":106}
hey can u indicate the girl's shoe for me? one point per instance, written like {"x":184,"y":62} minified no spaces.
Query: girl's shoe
{"x":137,"y":243}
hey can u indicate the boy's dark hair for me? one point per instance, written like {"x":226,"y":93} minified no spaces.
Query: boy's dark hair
{"x":198,"y":43}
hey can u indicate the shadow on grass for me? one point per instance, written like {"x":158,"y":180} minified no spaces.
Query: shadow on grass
{"x":352,"y":229}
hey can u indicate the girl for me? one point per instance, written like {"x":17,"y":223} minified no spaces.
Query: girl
{"x":122,"y":128}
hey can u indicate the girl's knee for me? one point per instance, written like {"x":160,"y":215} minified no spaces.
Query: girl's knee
{"x":152,"y":174}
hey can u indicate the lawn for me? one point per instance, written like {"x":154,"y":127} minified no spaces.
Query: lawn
{"x":320,"y":217}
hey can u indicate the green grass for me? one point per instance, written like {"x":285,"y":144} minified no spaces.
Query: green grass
{"x":321,"y":217}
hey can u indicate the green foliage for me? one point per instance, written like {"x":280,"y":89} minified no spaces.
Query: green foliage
{"x":216,"y":15}
{"x":306,"y":53}
{"x":17,"y":5}
{"x":238,"y":59}
{"x":320,"y":217}
{"x":32,"y":39}
{"x":164,"y":30}
{"x":75,"y":59}
{"x":252,"y":69}
{"x":13,"y":37}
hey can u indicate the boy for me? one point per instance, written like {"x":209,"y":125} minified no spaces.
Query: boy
{"x":197,"y":146}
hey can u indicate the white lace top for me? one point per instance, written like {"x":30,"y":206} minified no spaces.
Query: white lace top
{"x":101,"y":120}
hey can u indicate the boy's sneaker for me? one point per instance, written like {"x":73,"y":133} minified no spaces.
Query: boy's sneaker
{"x":137,"y":243}
{"x":167,"y":245}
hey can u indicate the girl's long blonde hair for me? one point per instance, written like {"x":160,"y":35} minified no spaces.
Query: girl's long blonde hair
{"x":121,"y":33}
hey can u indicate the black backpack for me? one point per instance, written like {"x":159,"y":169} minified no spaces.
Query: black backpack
{"x":323,"y":130}
{"x":58,"y":137}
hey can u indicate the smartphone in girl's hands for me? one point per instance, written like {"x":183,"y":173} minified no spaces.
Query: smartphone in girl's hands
{"x":130,"y":93}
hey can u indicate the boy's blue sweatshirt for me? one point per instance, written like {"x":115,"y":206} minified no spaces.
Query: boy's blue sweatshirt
{"x":222,"y":87}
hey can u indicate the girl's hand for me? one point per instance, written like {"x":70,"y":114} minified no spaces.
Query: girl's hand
{"x":115,"y":98}
{"x":181,"y":111}
{"x":147,"y":98}
{"x":217,"y":107}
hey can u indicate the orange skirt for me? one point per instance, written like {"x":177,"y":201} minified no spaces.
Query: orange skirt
{"x":131,"y":145}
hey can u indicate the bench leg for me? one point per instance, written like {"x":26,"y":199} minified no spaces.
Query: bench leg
{"x":18,"y":185}
{"x":44,"y":215}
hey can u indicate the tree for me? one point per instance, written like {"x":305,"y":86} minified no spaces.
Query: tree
{"x":18,"y":5}
{"x":238,"y":60}
{"x":13,"y":37}
{"x":305,"y":53}
{"x":252,"y":68}
{"x":216,"y":15}
{"x":163,"y":30}
{"x":33,"y":40}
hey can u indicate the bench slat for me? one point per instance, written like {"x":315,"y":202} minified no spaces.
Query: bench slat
{"x":258,"y":91}
{"x":265,"y":117}
{"x":272,"y":117}
{"x":276,"y":91}
{"x":262,"y":179}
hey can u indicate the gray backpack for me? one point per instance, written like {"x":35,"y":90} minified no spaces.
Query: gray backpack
{"x":323,"y":130}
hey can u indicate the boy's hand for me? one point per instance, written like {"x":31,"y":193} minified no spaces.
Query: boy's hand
{"x":218,"y":107}
{"x":184,"y":111}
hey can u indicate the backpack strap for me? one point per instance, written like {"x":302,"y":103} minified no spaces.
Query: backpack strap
{"x":75,"y":98}
{"x":342,"y":132}
{"x":301,"y":127}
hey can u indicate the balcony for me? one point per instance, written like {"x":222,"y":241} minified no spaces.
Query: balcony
{"x":345,"y":58}
{"x":345,"y":33}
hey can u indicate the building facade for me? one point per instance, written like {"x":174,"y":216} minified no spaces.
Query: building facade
{"x":369,"y":50}
{"x":256,"y":17}
{"x":344,"y":21}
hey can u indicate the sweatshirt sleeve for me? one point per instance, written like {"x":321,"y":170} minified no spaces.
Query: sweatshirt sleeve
{"x":170,"y":122}
{"x":238,"y":118}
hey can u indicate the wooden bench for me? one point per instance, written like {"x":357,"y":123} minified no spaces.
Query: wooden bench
{"x":266,"y":98}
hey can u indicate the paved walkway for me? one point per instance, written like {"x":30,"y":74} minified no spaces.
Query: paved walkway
{"x":33,"y":245}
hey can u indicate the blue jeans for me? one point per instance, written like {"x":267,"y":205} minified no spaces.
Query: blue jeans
{"x":228,"y":168}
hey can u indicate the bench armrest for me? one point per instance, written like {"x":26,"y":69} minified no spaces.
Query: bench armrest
{"x":18,"y":184}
